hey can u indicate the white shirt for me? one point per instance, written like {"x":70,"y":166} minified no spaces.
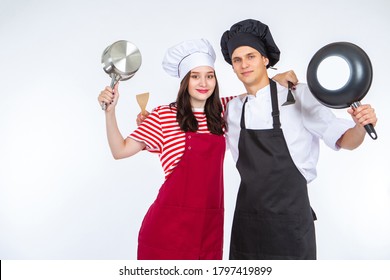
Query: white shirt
{"x":303,"y":123}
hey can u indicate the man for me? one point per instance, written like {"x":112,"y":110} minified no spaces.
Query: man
{"x":276,"y":149}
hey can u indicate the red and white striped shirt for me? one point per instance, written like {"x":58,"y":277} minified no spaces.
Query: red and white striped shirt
{"x":162,"y":134}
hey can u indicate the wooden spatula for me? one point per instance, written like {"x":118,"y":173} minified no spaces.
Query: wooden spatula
{"x":142,"y":100}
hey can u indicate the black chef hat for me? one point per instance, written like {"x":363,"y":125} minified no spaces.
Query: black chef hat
{"x":252,"y":33}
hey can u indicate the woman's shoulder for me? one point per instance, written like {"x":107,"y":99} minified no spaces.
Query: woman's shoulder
{"x":165,"y":109}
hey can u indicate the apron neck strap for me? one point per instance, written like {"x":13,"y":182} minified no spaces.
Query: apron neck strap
{"x":275,"y":105}
{"x":242,"y":123}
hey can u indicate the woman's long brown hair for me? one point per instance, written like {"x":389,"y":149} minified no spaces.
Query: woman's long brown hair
{"x":212,"y":109}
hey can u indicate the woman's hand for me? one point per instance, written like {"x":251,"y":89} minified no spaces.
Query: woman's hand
{"x":141,"y":117}
{"x":110,"y":97}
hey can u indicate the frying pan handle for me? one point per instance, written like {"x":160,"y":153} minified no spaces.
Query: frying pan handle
{"x":114,"y":80}
{"x":369,"y":127}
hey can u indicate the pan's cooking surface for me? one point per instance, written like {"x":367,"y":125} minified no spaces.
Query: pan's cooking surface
{"x":359,"y":80}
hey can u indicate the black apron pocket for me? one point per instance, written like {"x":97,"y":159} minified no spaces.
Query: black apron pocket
{"x":270,"y":236}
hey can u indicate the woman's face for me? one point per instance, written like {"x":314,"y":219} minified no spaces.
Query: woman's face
{"x":201,"y":85}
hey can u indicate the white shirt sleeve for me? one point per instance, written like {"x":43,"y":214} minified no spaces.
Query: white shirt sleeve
{"x":320,"y":120}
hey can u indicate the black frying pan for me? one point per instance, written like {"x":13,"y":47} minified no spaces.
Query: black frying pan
{"x":357,"y":86}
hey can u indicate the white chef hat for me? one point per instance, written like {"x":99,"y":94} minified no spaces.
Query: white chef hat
{"x":185,"y":56}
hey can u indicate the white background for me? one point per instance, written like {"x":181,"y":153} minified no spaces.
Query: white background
{"x":63,"y":196}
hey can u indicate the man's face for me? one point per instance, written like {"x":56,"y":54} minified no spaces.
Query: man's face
{"x":249,"y":66}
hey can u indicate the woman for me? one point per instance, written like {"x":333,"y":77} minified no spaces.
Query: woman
{"x":186,"y":219}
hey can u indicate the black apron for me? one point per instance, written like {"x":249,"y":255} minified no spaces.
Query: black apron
{"x":273,"y":218}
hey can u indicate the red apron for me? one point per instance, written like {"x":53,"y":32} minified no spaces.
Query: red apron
{"x":186,"y":220}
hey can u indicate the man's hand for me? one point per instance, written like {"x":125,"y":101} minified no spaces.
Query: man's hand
{"x":285,"y":77}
